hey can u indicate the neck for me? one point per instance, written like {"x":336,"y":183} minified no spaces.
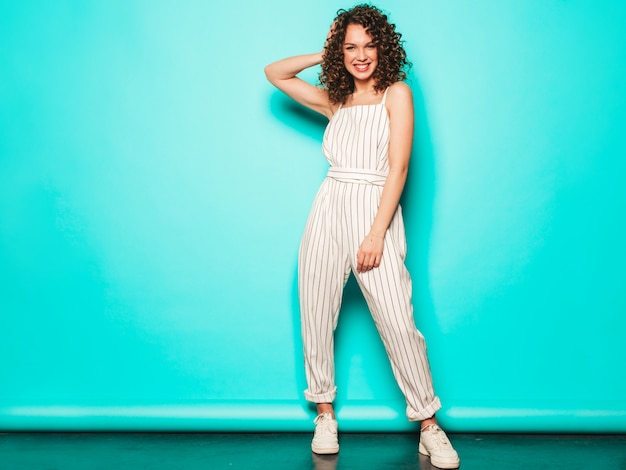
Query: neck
{"x":361,"y":87}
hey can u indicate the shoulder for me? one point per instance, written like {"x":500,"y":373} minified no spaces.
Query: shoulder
{"x":399,"y":91}
{"x":399,"y":98}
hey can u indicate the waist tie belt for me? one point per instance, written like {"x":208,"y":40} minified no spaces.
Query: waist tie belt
{"x":357,"y":175}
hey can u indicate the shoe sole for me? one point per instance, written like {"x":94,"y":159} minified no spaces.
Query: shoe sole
{"x":325,"y":450}
{"x":435,"y":463}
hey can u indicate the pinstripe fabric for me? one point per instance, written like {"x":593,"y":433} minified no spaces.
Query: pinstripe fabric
{"x":355,"y":144}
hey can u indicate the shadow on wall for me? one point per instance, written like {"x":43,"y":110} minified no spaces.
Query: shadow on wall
{"x":298,"y":117}
{"x":418,"y":209}
{"x":312,"y":125}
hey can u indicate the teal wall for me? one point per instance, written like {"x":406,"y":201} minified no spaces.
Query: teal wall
{"x":154,"y":186}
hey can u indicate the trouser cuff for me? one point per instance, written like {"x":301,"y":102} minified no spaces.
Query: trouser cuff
{"x":424,"y":413}
{"x":326,"y":397}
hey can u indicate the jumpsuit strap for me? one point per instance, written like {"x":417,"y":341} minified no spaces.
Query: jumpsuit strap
{"x":384,"y":96}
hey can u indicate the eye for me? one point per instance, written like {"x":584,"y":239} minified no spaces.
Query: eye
{"x":349,"y":48}
{"x":371,"y":46}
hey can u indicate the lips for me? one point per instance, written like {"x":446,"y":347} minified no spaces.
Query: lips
{"x":361,"y":67}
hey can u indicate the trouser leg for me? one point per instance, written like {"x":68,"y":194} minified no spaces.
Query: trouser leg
{"x":388,"y":292}
{"x":321,"y":278}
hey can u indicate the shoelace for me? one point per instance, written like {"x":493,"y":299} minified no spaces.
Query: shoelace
{"x":323,"y":422}
{"x":438,"y":435}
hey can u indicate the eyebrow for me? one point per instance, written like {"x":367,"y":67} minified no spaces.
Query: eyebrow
{"x":353,"y":44}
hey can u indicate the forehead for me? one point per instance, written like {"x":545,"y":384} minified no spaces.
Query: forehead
{"x":356,"y":34}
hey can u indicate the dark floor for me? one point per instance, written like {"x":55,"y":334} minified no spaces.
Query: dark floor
{"x":276,"y":451}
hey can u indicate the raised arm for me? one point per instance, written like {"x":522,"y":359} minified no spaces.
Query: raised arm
{"x":283,"y":75}
{"x":400,"y":108}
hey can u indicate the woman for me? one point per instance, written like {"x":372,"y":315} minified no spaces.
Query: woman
{"x":356,"y":223}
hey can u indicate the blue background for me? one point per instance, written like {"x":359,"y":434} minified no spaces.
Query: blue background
{"x":154,"y":186}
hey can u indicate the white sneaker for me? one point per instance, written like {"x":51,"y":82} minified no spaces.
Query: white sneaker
{"x":325,"y":439}
{"x":435,"y":443}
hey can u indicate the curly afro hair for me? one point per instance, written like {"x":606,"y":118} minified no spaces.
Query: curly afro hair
{"x":392,"y":59}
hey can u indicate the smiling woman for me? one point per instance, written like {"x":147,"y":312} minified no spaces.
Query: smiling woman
{"x":356,"y":225}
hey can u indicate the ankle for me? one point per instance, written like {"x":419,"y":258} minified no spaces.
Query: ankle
{"x":325,"y":408}
{"x":428,"y":423}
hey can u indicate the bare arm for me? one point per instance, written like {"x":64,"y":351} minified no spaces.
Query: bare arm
{"x":400,"y":107}
{"x":283,"y":75}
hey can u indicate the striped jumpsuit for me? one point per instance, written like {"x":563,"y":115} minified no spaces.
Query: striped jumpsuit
{"x":355,"y":143}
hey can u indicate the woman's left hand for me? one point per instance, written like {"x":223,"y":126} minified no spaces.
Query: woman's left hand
{"x":370,"y":253}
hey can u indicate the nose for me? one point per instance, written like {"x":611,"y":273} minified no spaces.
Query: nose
{"x":361,"y":55}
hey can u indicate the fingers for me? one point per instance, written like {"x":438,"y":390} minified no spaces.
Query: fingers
{"x":370,"y":254}
{"x":368,"y":264}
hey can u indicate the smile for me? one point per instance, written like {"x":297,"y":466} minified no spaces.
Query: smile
{"x":361,"y":67}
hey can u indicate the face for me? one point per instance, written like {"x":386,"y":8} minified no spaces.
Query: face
{"x":360,"y":55}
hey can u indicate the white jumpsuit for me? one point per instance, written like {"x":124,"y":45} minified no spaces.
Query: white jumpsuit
{"x":355,"y":143}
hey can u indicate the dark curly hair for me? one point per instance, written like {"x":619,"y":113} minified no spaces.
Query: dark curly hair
{"x":392,"y":59}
